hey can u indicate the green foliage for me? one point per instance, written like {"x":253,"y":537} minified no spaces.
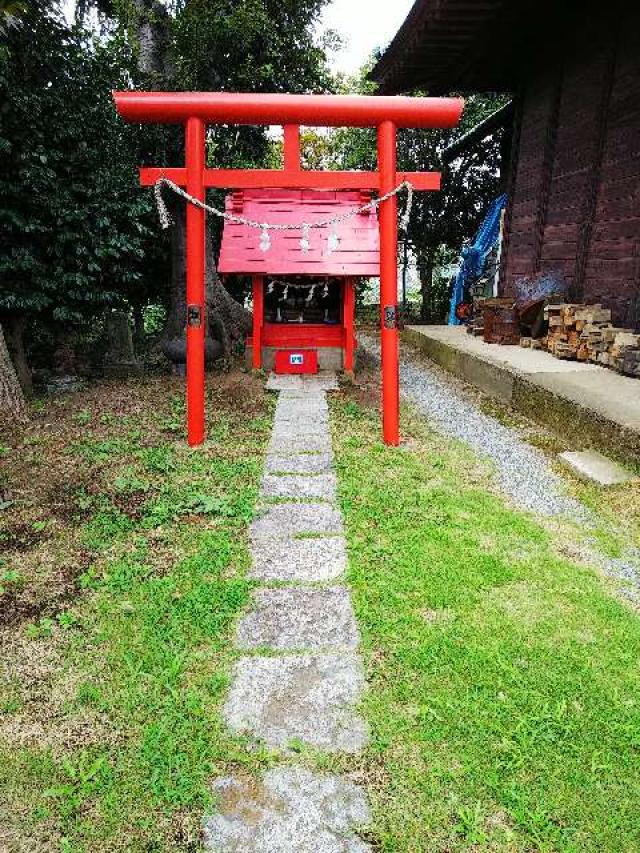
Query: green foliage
{"x":76,"y":229}
{"x":440,"y":222}
{"x":258,"y":45}
{"x":77,"y":234}
{"x":10,"y":579}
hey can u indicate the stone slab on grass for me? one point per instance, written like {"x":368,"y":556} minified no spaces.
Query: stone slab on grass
{"x":299,"y":463}
{"x":316,"y":559}
{"x":293,"y":409}
{"x":594,"y":467}
{"x":292,"y":442}
{"x":289,"y":810}
{"x":289,"y":519}
{"x":316,"y":423}
{"x":305,"y":418}
{"x":302,"y":403}
{"x":298,"y":618}
{"x":302,"y":382}
{"x":302,"y":397}
{"x":290,"y":431}
{"x":307,"y":698}
{"x":302,"y":486}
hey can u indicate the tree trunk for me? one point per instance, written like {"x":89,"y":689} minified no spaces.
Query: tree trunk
{"x":227,"y":320}
{"x":426,"y":267}
{"x":177,"y":317}
{"x":12,"y":404}
{"x":138,"y":329}
{"x":15,"y":325}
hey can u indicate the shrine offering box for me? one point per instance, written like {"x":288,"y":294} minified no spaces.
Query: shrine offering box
{"x":296,"y":361}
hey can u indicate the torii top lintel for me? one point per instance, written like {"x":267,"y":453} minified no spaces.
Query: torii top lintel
{"x":289,"y":111}
{"x":267,"y":109}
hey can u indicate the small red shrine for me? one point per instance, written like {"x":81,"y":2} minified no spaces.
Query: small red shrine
{"x":303,"y":295}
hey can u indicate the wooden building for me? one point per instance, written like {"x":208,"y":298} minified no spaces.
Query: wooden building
{"x":573,"y":170}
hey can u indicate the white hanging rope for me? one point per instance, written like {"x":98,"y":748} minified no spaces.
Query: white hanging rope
{"x":265,"y":227}
{"x":299,"y":285}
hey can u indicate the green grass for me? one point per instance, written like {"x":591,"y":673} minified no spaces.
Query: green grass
{"x":504,"y":684}
{"x":136,"y":665}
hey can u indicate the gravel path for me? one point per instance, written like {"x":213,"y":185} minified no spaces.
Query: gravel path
{"x":522,"y":472}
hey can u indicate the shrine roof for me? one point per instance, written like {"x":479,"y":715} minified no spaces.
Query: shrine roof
{"x":358,"y":252}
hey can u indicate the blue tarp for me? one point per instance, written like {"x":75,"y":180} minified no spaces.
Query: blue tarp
{"x":474,"y":256}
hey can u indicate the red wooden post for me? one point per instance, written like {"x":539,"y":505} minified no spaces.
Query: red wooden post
{"x":291,"y":148}
{"x":348,"y":308}
{"x":196,"y":323}
{"x":389,"y":285}
{"x":258,"y":320}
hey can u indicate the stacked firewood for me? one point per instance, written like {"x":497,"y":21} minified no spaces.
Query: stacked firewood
{"x":585,"y":333}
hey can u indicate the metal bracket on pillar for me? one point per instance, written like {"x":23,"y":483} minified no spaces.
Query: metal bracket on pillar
{"x":390,"y":317}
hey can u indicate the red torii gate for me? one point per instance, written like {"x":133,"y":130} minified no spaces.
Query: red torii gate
{"x":197,"y":109}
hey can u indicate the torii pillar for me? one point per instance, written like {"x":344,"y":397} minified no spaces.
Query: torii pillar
{"x":197,"y":109}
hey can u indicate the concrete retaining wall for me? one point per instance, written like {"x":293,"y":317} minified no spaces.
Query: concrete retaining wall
{"x":560,"y":414}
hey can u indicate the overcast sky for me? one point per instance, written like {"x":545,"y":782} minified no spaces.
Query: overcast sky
{"x":363,"y":26}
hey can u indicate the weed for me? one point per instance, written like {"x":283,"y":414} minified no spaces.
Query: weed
{"x":11,"y":580}
{"x":157,"y":459}
{"x":96,"y":452}
{"x":128,"y":482}
{"x":43,"y":628}
{"x":82,"y":417}
{"x":106,"y":525}
{"x":78,"y":781}
{"x":67,"y":619}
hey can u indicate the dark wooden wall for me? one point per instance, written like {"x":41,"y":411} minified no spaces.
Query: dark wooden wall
{"x":575,"y":185}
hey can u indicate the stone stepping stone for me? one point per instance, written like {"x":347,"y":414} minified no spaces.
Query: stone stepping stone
{"x":303,"y":398}
{"x":296,"y":443}
{"x":314,"y":421}
{"x":313,"y":424}
{"x":300,"y":463}
{"x":306,"y":383}
{"x":285,"y":520}
{"x":286,"y":432}
{"x":299,"y":486}
{"x":301,"y":407}
{"x":290,"y":810}
{"x":302,"y":401}
{"x":303,"y":404}
{"x":306,"y":698}
{"x":298,"y":618}
{"x":595,"y":467}
{"x":309,"y":560}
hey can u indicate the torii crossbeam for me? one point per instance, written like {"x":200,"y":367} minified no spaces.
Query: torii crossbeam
{"x":197,"y":109}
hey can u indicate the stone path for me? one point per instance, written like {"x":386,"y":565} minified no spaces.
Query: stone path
{"x":300,"y":677}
